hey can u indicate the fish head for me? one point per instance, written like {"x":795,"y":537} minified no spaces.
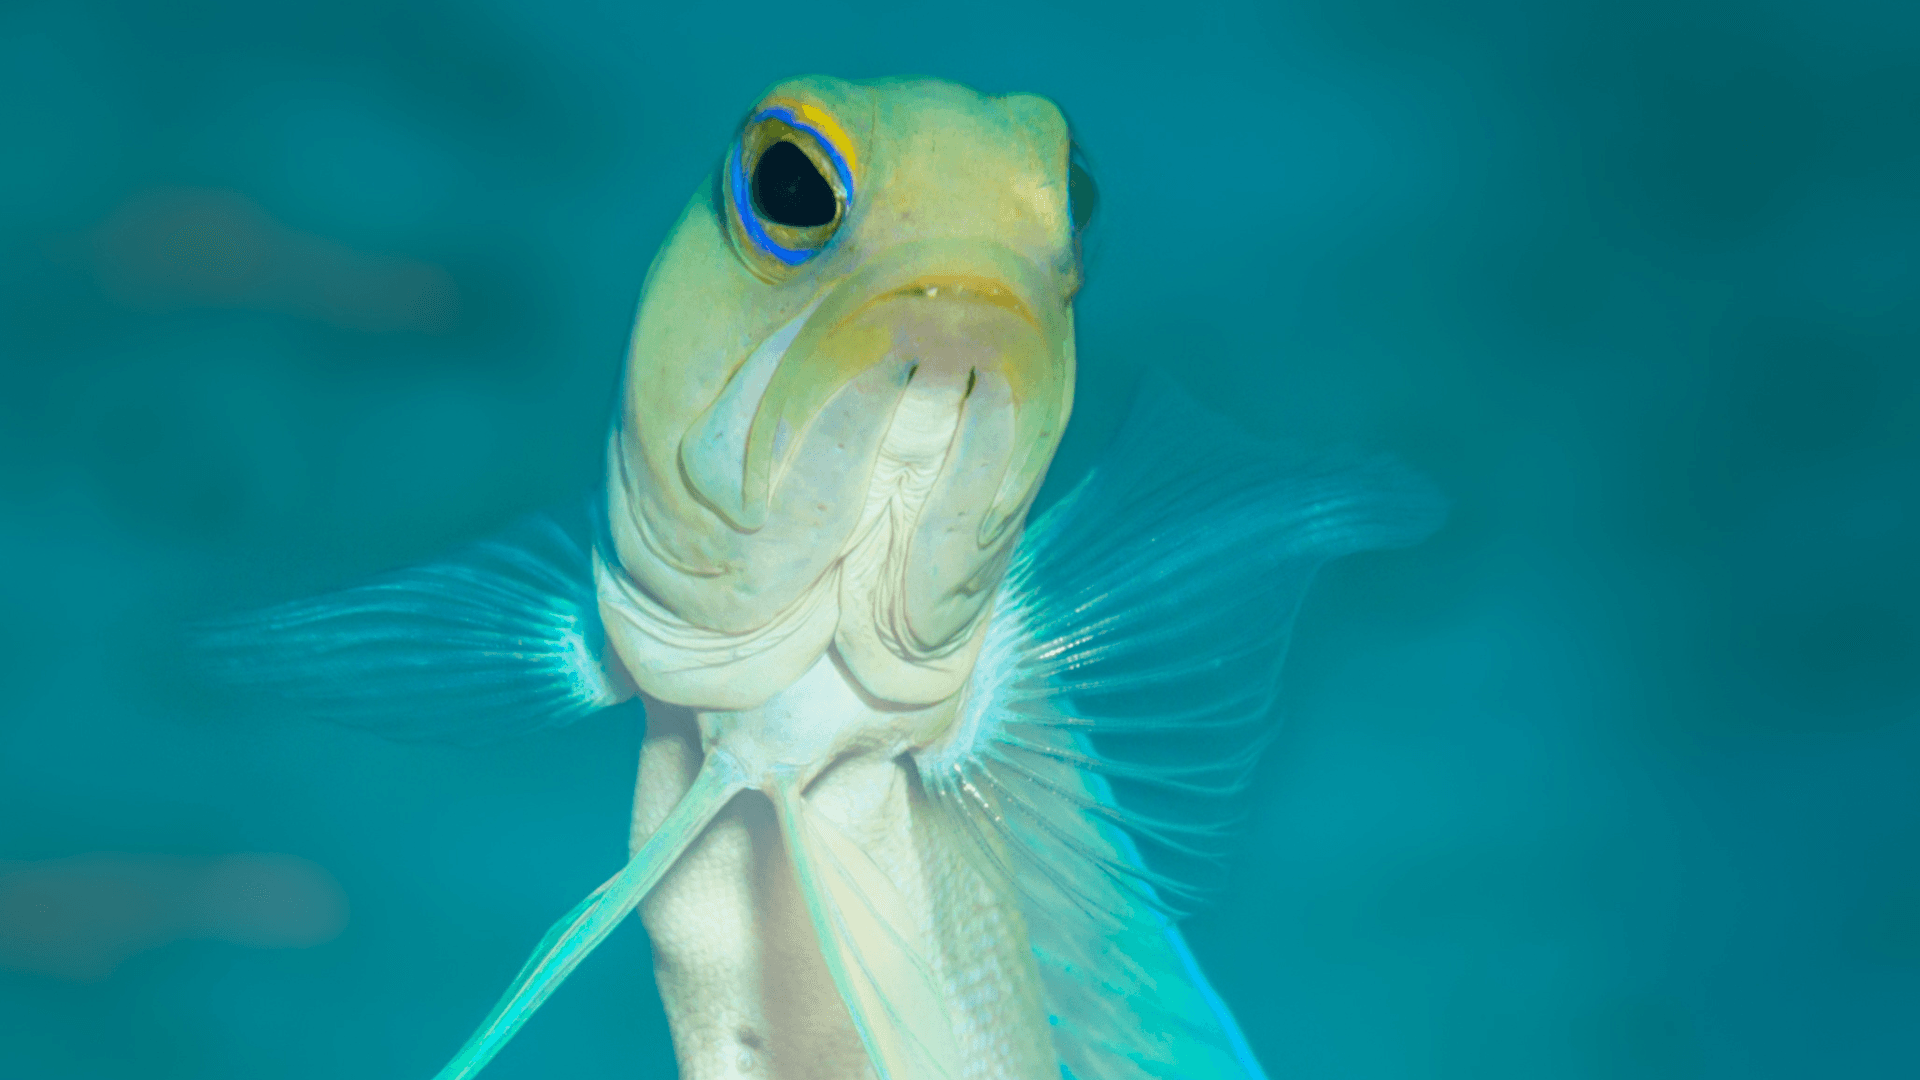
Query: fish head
{"x":852,"y":364}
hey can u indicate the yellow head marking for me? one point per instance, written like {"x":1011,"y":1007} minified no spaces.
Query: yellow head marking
{"x":823,"y":122}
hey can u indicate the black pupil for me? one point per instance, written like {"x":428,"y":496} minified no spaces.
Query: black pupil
{"x":788,"y":190}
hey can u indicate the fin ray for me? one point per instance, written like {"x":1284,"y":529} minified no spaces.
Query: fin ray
{"x":867,"y":936}
{"x":582,"y":930}
{"x":501,"y":639}
{"x":1137,"y":640}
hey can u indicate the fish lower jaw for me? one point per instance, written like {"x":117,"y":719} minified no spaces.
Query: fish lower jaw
{"x":857,"y":605}
{"x":826,"y":713}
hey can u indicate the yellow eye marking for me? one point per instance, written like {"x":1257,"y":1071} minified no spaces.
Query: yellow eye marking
{"x":823,"y":122}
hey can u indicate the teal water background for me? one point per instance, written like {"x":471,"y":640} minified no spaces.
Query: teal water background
{"x":1618,"y":776}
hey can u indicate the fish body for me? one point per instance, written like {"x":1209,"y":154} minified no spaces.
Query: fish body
{"x":874,"y":830}
{"x":809,"y":512}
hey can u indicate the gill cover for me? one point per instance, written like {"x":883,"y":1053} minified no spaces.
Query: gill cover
{"x":851,"y":367}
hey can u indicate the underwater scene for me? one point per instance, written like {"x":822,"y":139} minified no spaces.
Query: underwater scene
{"x":1542,"y":382}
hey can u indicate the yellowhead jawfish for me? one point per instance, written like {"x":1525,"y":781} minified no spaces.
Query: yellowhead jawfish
{"x":874,"y":831}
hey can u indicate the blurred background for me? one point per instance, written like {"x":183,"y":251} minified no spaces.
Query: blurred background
{"x":1618,"y":776}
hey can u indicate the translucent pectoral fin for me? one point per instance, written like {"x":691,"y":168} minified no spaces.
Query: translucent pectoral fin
{"x":587,"y":925}
{"x":1125,"y":689}
{"x":870,"y":938}
{"x":499,"y":639}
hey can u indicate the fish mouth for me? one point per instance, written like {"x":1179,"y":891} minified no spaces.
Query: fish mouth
{"x":939,"y":318}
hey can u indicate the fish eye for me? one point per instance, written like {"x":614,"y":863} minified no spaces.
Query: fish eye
{"x":789,"y":186}
{"x":788,"y":190}
{"x":1083,"y":195}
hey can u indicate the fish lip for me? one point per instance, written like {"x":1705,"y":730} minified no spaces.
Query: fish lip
{"x":962,"y":287}
{"x":985,"y":269}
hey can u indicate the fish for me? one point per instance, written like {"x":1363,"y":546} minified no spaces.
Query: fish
{"x":925,"y":776}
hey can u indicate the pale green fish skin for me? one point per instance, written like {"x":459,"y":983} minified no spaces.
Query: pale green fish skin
{"x":810,"y":526}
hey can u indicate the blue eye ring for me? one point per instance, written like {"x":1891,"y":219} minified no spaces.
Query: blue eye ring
{"x":815,"y":123}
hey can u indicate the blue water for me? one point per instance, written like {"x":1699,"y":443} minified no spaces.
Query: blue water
{"x":1618,"y":776}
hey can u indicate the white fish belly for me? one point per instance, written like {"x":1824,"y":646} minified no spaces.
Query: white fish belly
{"x":739,"y":966}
